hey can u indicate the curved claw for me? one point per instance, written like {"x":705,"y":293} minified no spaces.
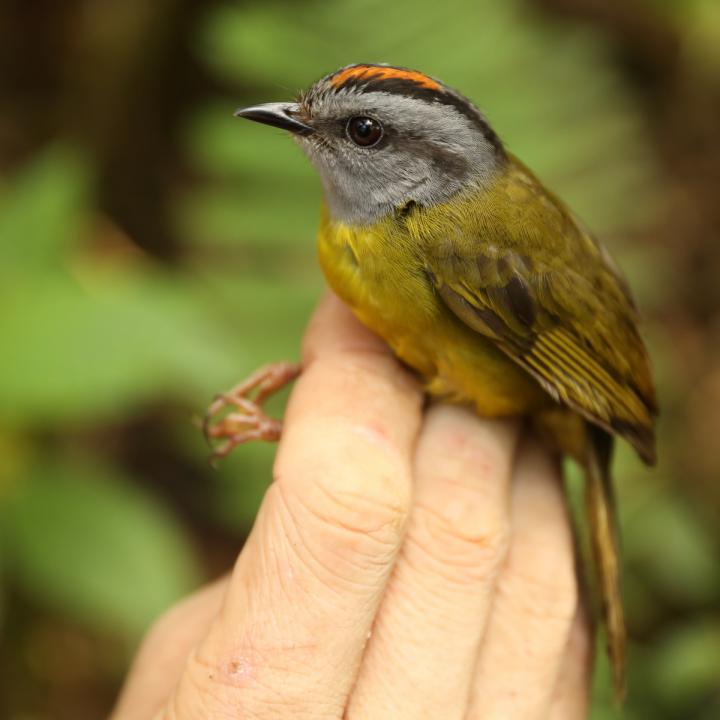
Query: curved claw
{"x":212,"y":410}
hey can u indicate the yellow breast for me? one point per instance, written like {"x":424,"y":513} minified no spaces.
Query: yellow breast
{"x":378,"y":272}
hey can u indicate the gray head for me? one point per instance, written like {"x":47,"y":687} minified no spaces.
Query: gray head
{"x":382,"y":137}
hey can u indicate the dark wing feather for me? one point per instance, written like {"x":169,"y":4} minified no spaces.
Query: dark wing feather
{"x":566,"y":315}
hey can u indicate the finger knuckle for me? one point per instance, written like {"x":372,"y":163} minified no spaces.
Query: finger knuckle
{"x":463,"y":549}
{"x":361,"y":492}
{"x":545,"y":585}
{"x":348,"y":531}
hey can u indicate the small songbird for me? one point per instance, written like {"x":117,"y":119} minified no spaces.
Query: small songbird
{"x":448,"y":247}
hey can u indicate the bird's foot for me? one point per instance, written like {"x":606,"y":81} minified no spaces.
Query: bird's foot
{"x":247,"y":420}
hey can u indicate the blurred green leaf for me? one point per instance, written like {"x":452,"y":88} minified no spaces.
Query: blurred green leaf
{"x":246,"y":217}
{"x":263,"y":316}
{"x":41,"y":212}
{"x":82,"y":540}
{"x":75,"y":351}
{"x":223,"y":144}
{"x":240,"y":484}
{"x":675,"y":551}
{"x":686,"y":663}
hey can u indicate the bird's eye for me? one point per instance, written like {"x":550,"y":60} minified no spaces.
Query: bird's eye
{"x":364,"y":131}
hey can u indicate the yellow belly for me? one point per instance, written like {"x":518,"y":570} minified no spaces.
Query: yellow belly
{"x":376,"y":272}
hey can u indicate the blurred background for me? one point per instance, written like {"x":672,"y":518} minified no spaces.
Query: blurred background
{"x":153,"y":251}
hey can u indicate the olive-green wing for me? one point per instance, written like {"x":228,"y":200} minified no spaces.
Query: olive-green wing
{"x":565,"y":316}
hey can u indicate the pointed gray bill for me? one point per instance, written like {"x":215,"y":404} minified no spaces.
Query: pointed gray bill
{"x":279,"y":114}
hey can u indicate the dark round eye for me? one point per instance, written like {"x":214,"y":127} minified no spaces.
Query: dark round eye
{"x":364,"y":131}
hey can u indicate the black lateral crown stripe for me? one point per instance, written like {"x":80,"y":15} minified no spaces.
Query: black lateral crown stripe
{"x":410,"y":88}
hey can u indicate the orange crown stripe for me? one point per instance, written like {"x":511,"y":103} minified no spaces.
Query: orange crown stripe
{"x":383,"y":73}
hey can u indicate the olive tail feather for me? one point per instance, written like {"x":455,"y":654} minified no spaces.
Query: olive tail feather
{"x":600,"y":508}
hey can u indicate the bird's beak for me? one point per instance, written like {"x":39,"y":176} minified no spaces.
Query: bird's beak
{"x":280,"y":115}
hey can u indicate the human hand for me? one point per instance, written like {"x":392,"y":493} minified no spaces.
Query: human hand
{"x":404,"y":564}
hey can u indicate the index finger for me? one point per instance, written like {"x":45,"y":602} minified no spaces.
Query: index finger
{"x":306,"y":587}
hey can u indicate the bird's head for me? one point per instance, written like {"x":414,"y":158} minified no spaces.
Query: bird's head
{"x":382,"y":137}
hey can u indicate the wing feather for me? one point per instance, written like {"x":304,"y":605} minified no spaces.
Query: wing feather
{"x":568,"y":319}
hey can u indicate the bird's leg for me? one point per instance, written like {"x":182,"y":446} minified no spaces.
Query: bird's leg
{"x":247,"y":420}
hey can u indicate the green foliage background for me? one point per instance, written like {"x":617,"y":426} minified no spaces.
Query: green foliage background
{"x":108,"y":512}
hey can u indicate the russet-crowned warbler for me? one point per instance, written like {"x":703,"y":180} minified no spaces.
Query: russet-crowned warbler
{"x":447,"y":246}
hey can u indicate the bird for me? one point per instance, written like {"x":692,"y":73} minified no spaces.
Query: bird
{"x":478,"y":277}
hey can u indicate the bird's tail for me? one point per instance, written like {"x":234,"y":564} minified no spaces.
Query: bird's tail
{"x":600,"y":508}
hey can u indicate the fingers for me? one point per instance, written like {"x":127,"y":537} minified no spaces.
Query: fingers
{"x":422,"y":653}
{"x":305,"y":590}
{"x":482,"y":605}
{"x":165,"y":650}
{"x":535,"y":604}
